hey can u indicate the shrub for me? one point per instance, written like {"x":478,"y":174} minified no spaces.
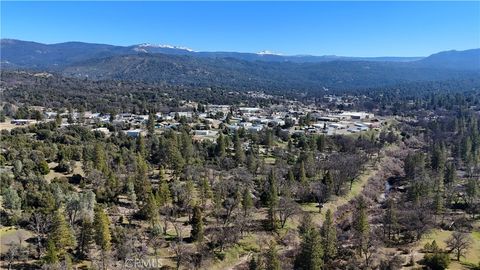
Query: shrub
{"x":436,"y":261}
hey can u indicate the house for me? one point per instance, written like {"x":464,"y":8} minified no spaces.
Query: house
{"x":233,"y":128}
{"x":21,"y":122}
{"x":278,"y":121}
{"x":245,"y":124}
{"x":256,"y":128}
{"x":135,"y":133}
{"x":337,"y":126}
{"x":206,"y":132}
{"x":50,"y":115}
{"x":218,"y":108}
{"x":358,"y":115}
{"x":102,"y":130}
{"x":249,"y":110}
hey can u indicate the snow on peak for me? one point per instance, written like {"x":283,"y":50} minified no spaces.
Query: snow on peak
{"x":268,"y":53}
{"x":164,"y":46}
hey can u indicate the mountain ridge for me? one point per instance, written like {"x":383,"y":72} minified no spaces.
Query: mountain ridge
{"x":234,"y":70}
{"x":92,"y":49}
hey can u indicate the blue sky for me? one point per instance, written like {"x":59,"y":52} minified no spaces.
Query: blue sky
{"x":318,"y":28}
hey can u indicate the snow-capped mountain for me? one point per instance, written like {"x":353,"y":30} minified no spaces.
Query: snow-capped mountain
{"x":153,"y":48}
{"x":266,"y":52}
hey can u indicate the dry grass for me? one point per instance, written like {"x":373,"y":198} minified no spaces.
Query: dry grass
{"x":440,"y":236}
{"x":10,"y":235}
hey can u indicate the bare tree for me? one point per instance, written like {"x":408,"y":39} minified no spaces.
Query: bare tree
{"x":39,"y":224}
{"x":180,"y":251}
{"x":286,"y":209}
{"x":459,"y":243}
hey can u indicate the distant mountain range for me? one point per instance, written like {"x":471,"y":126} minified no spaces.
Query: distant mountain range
{"x":183,"y":66}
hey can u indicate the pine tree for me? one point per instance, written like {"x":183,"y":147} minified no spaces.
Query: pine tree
{"x":272,"y":261}
{"x":85,"y":239}
{"x":450,"y":174}
{"x":151,"y":211}
{"x":390,"y":219}
{"x":100,"y":158}
{"x":142,"y":183}
{"x":197,"y":224}
{"x":220,"y":148}
{"x":131,"y":191}
{"x":163,"y":194}
{"x":187,"y":147}
{"x":239,"y":153}
{"x":151,"y":123}
{"x":302,"y":177}
{"x":272,"y":200}
{"x":205,"y":191}
{"x":321,"y":143}
{"x":268,"y":142}
{"x":247,"y":202}
{"x":438,"y":158}
{"x":141,"y":149}
{"x":328,"y":182}
{"x":102,"y":229}
{"x":62,"y":233}
{"x":361,"y":225}
{"x":306,"y":224}
{"x":174,"y":156}
{"x":52,"y":254}
{"x":329,"y":237}
{"x":58,"y":120}
{"x":290,"y":178}
{"x":311,"y":254}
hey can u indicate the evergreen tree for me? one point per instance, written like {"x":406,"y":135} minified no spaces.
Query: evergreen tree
{"x":131,"y":191}
{"x":85,"y":239}
{"x":290,"y":178}
{"x":142,"y":183}
{"x":100,"y":158}
{"x":151,"y":123}
{"x":438,"y":199}
{"x":450,"y":174}
{"x":239,"y":153}
{"x":43,"y":167}
{"x":187,"y":147}
{"x":361,"y":225}
{"x":390,"y":220}
{"x":151,"y":211}
{"x":272,"y":262}
{"x":197,"y":224}
{"x":272,"y":200}
{"x":268,"y":138}
{"x":52,"y":254}
{"x":302,"y":177}
{"x":328,"y":182}
{"x":321,"y":143}
{"x":62,"y":233}
{"x":163,"y":194}
{"x":141,"y":149}
{"x":205,"y":191}
{"x":311,"y":254}
{"x":438,"y":158}
{"x":329,"y":237}
{"x":174,"y":156}
{"x":102,"y":230}
{"x":220,"y":148}
{"x":247,"y":202}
